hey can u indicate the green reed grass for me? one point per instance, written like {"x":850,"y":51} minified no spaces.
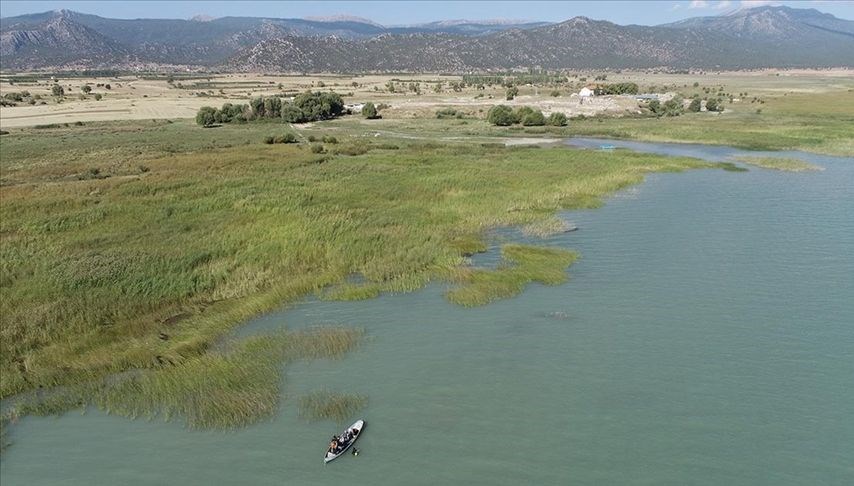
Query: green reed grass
{"x":138,"y":268}
{"x":780,"y":163}
{"x":522,"y":265}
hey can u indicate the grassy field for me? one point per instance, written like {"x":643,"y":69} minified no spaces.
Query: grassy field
{"x":144,"y":243}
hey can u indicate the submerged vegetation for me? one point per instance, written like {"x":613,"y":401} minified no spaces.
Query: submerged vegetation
{"x":779,"y":163}
{"x":522,"y":265}
{"x":220,"y":389}
{"x":326,"y":405}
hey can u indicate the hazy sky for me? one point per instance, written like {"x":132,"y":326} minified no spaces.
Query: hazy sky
{"x":408,"y":12}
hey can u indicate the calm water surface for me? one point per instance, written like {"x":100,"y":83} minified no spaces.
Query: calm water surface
{"x":705,"y":337}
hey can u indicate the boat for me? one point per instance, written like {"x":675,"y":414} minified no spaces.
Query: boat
{"x":353,"y":432}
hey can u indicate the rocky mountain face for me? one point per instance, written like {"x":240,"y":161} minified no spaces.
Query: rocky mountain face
{"x":760,"y":37}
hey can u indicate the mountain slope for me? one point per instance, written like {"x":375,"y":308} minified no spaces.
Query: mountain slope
{"x":755,"y":38}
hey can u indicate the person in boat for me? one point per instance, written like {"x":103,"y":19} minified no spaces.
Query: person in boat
{"x":333,"y":446}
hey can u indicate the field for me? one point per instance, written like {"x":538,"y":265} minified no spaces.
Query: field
{"x":131,"y":248}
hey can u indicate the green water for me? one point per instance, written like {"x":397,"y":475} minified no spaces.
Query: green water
{"x":706,"y":337}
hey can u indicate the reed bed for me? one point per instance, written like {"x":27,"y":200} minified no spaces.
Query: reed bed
{"x":522,"y":265}
{"x":780,"y":163}
{"x":146,"y":269}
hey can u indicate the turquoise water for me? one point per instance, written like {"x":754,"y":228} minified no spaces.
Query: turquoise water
{"x":705,"y":337}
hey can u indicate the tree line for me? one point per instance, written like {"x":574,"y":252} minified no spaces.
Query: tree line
{"x":306,"y":107}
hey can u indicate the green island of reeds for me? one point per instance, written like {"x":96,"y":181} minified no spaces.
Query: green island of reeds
{"x":136,"y":248}
{"x":522,"y":265}
{"x":779,"y":163}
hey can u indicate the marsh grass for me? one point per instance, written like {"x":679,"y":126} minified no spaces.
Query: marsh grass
{"x":543,"y":228}
{"x":780,"y":163}
{"x":145,"y":270}
{"x":223,"y":389}
{"x":327,"y":405}
{"x":522,"y":264}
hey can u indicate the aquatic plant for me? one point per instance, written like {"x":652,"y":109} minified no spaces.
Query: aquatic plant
{"x":327,"y":405}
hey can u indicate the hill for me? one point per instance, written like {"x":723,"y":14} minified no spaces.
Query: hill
{"x":745,"y":39}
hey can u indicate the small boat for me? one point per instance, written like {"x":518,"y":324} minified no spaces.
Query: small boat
{"x":351,"y":433}
{"x":607,"y":147}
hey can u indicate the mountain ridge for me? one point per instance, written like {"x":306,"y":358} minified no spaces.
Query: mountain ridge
{"x":744,"y":39}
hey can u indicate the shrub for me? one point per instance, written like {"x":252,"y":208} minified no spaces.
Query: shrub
{"x":369,"y":111}
{"x":555,"y":93}
{"x":655,"y":107}
{"x":712,"y":104}
{"x":57,"y":90}
{"x":534,"y":119}
{"x":673,"y":106}
{"x":448,"y":113}
{"x":328,"y":139}
{"x":501,"y":115}
{"x":512,"y":92}
{"x":694,"y":107}
{"x":206,"y":116}
{"x":86,"y":89}
{"x":98,"y":96}
{"x":269,"y":139}
{"x":557,"y":120}
{"x":312,"y":138}
{"x":317,"y":148}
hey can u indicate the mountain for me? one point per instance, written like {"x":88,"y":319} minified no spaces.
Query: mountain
{"x":753,"y":38}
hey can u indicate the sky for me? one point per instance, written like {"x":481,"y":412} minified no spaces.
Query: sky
{"x":411,"y":12}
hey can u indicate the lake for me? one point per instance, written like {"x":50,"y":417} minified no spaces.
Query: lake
{"x":706,"y":336}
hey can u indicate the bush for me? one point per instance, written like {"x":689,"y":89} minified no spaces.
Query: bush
{"x":501,"y":115}
{"x":328,"y":139}
{"x":317,"y":148}
{"x":369,"y":111}
{"x":694,"y":107}
{"x":555,"y":93}
{"x":312,"y":138}
{"x":98,"y":96}
{"x":448,"y":113}
{"x":269,"y":139}
{"x":557,"y":120}
{"x":673,"y":106}
{"x":57,"y":90}
{"x":512,"y":92}
{"x":534,"y":119}
{"x":712,"y":104}
{"x":206,"y":116}
{"x":655,"y":107}
{"x":86,"y":89}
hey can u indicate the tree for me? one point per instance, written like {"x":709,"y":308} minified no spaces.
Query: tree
{"x":257,"y":105}
{"x":369,"y":111}
{"x":673,"y":106}
{"x":501,"y":115}
{"x":319,"y":106}
{"x":694,"y":107}
{"x":107,"y":87}
{"x":86,"y":88}
{"x":206,"y":116}
{"x":272,"y":107}
{"x":512,"y":92}
{"x":292,"y":114}
{"x":57,"y":90}
{"x":557,"y":119}
{"x":98,"y":96}
{"x":655,"y":107}
{"x":712,"y":104}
